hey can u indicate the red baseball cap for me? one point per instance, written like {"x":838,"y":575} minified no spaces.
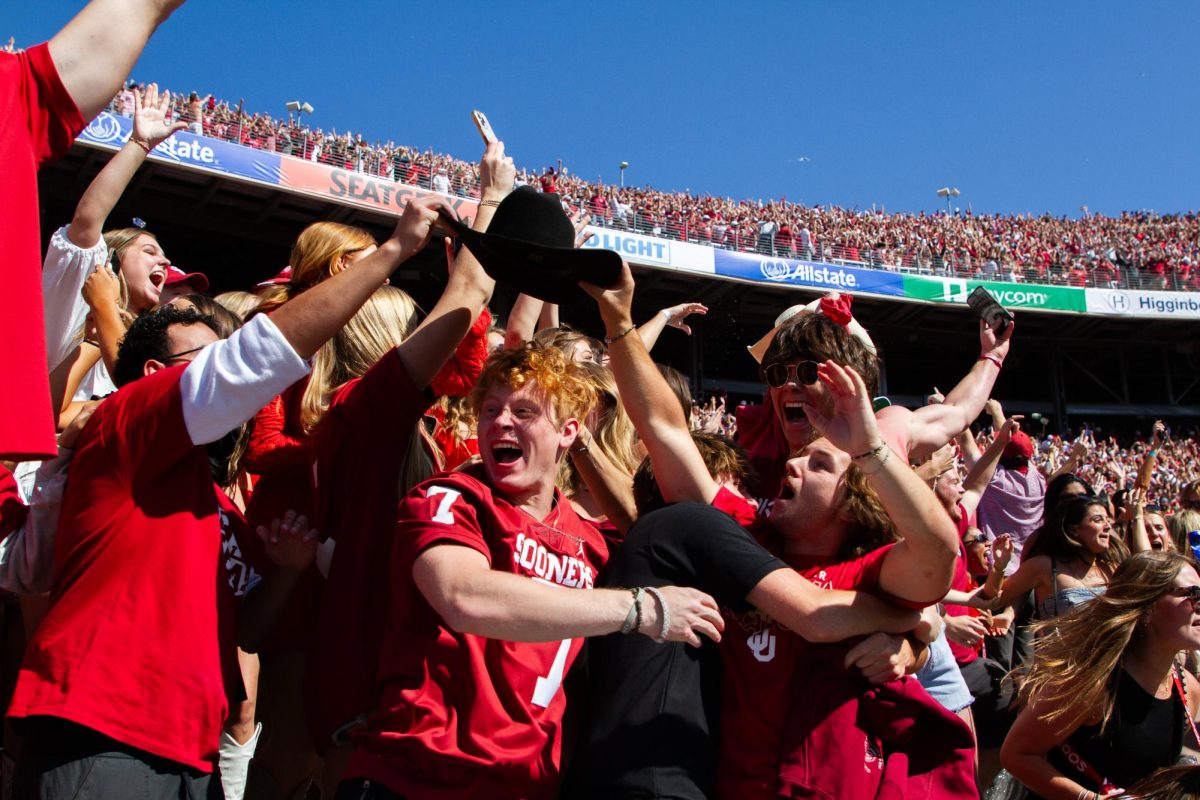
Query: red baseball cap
{"x":284,"y":276}
{"x":1020,"y":446}
{"x":198,"y":280}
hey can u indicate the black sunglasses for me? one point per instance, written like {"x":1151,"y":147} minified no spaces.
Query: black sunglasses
{"x":777,"y":374}
{"x":1191,"y":593}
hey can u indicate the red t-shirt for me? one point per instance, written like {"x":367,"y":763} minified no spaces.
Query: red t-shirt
{"x":463,"y":716}
{"x":359,"y":448}
{"x":138,"y":642}
{"x":38,"y":123}
{"x":759,"y":658}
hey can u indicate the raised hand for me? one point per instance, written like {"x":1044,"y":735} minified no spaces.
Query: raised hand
{"x":616,"y":304}
{"x":150,"y":126}
{"x":415,"y":225}
{"x":991,"y":344}
{"x":580,"y":222}
{"x":677,"y":314}
{"x":848,"y":421}
{"x":289,"y":542}
{"x":497,"y":174}
{"x":1002,"y":551}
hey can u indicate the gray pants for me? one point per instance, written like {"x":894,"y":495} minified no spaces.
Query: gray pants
{"x":79,"y":764}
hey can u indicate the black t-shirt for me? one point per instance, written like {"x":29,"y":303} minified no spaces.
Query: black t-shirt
{"x":651,"y":723}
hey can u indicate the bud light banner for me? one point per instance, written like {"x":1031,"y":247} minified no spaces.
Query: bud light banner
{"x":188,"y":149}
{"x":790,"y":272}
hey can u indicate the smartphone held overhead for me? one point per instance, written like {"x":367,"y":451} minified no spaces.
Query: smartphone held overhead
{"x":989,"y":310}
{"x":485,"y":127}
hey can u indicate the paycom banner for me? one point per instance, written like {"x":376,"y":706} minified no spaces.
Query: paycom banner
{"x":1010,"y":295}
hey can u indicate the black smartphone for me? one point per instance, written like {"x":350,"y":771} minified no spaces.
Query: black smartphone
{"x":988,"y":310}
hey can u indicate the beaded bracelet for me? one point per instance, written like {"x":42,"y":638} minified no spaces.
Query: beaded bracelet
{"x":622,"y":334}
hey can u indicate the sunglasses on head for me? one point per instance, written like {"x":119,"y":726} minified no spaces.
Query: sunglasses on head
{"x":777,"y":374}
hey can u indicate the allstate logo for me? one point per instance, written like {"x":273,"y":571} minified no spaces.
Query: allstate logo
{"x":1118,"y":302}
{"x":104,"y":129}
{"x":775,"y":269}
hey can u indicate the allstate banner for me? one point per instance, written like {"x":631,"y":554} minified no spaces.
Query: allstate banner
{"x":791,"y":272}
{"x":1010,"y":295}
{"x":111,"y":130}
{"x":1139,"y":303}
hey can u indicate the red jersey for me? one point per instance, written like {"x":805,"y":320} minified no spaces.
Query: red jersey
{"x":38,"y":123}
{"x":759,"y":659}
{"x":138,"y":641}
{"x":359,"y":447}
{"x":463,"y":716}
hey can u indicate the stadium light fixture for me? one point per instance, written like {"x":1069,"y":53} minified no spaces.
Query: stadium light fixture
{"x":299,"y":108}
{"x":948,"y":192}
{"x":624,"y":165}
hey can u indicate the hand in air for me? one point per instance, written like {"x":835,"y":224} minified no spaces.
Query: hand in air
{"x":497,"y":174}
{"x":677,"y":314}
{"x":616,"y":304}
{"x":848,"y":421}
{"x":150,"y":123}
{"x":993,"y":344}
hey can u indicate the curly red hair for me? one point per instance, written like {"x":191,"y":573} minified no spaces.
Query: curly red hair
{"x":567,"y":385}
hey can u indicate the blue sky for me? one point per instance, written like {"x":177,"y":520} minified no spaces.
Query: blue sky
{"x":1023,"y":106}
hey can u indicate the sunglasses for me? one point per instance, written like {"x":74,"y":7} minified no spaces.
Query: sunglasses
{"x":180,"y":355}
{"x":777,"y":374}
{"x":1192,"y":593}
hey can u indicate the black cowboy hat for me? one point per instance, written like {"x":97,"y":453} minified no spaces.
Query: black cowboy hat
{"x":530,"y":246}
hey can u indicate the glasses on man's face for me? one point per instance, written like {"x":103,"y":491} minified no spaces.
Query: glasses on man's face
{"x":182,"y":354}
{"x":1192,"y":593}
{"x":777,"y":374}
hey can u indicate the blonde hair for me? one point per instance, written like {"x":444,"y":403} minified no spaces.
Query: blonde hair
{"x":118,"y":241}
{"x":613,"y":434}
{"x":240,"y":303}
{"x":315,"y":257}
{"x":1078,"y":654}
{"x":384,"y":321}
{"x":1180,"y":524}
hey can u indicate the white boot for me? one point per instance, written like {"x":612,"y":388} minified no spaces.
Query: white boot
{"x":234,"y":762}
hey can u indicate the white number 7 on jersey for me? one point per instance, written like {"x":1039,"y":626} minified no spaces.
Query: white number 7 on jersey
{"x":547,"y":687}
{"x":443,"y":514}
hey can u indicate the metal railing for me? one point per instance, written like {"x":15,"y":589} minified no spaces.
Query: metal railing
{"x":625,"y":209}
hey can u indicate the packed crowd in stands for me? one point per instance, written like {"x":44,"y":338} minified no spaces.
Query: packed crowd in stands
{"x":1142,"y":249}
{"x":308,"y":541}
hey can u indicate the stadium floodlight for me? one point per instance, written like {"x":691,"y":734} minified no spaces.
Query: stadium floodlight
{"x":624,"y":165}
{"x":298,"y":107}
{"x":948,"y":192}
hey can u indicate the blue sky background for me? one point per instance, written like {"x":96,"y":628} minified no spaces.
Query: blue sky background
{"x":1025,"y":107}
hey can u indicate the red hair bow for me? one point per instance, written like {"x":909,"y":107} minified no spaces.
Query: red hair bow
{"x":838,"y":308}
